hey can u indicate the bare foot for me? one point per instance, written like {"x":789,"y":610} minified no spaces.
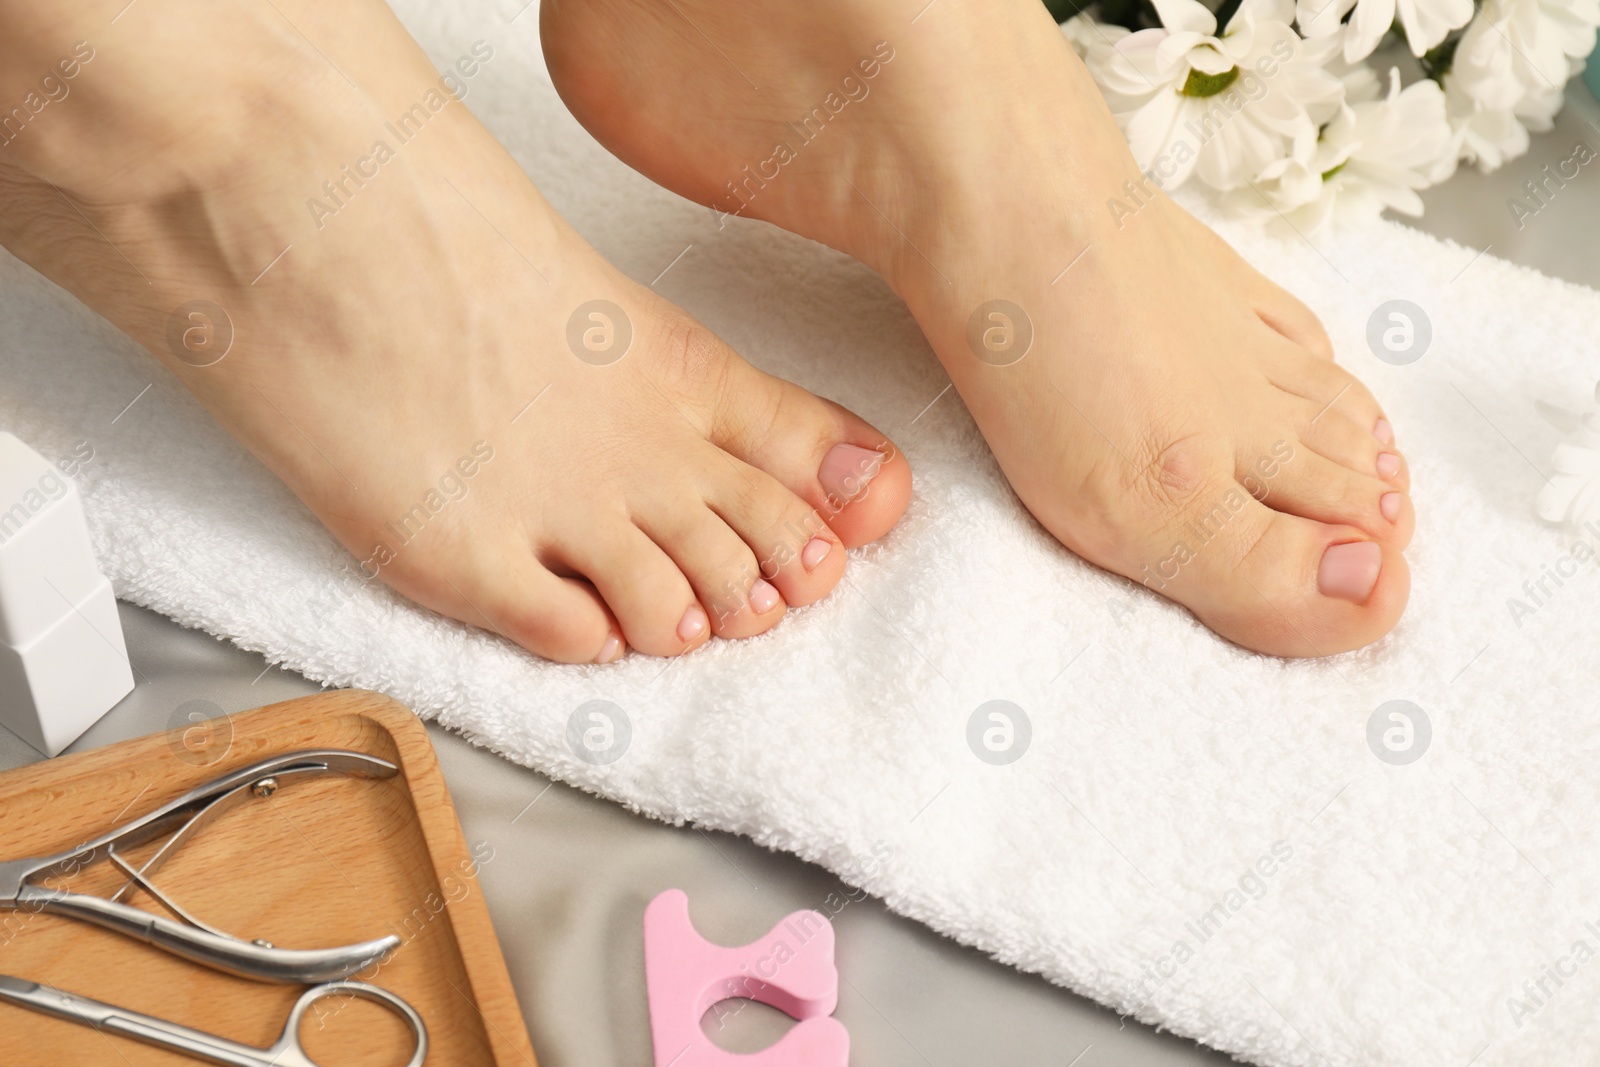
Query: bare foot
{"x":490,"y":417}
{"x":1162,"y":408}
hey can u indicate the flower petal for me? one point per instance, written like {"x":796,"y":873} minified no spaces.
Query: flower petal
{"x":1208,"y":60}
{"x":1367,"y":27}
{"x":1150,"y":128}
{"x":1186,"y":15}
{"x":1321,"y":18}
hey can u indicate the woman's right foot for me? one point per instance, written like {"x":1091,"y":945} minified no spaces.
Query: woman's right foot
{"x":1163,"y":409}
{"x":491,"y":418}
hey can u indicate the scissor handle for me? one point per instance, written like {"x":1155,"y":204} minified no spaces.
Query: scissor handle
{"x":289,"y":1044}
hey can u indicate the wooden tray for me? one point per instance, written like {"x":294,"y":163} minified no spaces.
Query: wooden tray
{"x":325,"y":862}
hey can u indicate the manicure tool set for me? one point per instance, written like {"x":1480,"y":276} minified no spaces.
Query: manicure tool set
{"x":328,"y":971}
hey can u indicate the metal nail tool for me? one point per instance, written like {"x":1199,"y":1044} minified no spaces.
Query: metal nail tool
{"x":21,"y":888}
{"x":286,"y":1052}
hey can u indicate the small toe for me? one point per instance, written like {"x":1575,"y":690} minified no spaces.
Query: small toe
{"x":653,"y":602}
{"x":1337,"y":437}
{"x":722,"y":569}
{"x":561,"y":619}
{"x":1315,"y":487}
{"x":1329,"y":387}
{"x":795,"y":550}
{"x":1288,"y":316}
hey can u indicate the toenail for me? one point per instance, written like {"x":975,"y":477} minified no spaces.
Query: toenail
{"x":846,"y":470}
{"x":1350,"y":571}
{"x":815,"y":552}
{"x":1383,"y":431}
{"x":611,"y":650}
{"x":1388,"y":464}
{"x":763,"y":597}
{"x":693,"y":624}
{"x":1389,"y":504}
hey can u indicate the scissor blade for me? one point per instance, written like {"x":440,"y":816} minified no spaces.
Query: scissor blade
{"x":145,"y":1028}
{"x":35,"y":997}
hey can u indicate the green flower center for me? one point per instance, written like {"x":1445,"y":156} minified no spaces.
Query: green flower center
{"x":1330,"y":173}
{"x":1199,"y":83}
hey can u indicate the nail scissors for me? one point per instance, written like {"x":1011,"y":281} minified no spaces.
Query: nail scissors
{"x":286,"y":1052}
{"x":20,"y":888}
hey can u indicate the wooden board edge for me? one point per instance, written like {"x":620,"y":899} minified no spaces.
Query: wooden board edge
{"x":441,"y":827}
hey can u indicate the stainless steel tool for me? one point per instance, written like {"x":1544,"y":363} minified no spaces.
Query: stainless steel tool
{"x":286,"y":1052}
{"x":21,"y":888}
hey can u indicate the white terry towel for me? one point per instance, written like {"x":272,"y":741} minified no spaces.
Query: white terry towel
{"x":1122,"y":854}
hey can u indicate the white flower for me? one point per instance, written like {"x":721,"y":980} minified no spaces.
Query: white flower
{"x":1573,"y":493}
{"x":1488,"y":136}
{"x":1222,"y":107}
{"x":1508,"y":70}
{"x":1084,"y":33}
{"x":1360,"y":79}
{"x":1426,"y":22}
{"x":1281,"y":124}
{"x":1375,"y":154}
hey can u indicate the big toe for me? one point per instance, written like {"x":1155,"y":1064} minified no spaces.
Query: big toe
{"x":856,"y":479}
{"x":1287,"y":585}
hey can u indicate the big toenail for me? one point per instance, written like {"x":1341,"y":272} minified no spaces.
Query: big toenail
{"x":763,"y":597}
{"x":693,"y":624}
{"x":1389,"y":504}
{"x":815,"y":552}
{"x":1388,"y":464}
{"x":846,"y":470}
{"x":611,"y":650}
{"x":1350,"y":571}
{"x":1383,"y":432}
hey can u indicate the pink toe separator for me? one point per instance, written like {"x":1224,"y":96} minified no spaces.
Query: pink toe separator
{"x":790,"y":969}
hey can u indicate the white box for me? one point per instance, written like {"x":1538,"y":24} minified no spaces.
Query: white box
{"x":46,"y":561}
{"x":63,"y":662}
{"x":56,"y":686}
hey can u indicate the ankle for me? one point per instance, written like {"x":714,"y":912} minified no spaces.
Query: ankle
{"x":954,"y":174}
{"x":943,"y":230}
